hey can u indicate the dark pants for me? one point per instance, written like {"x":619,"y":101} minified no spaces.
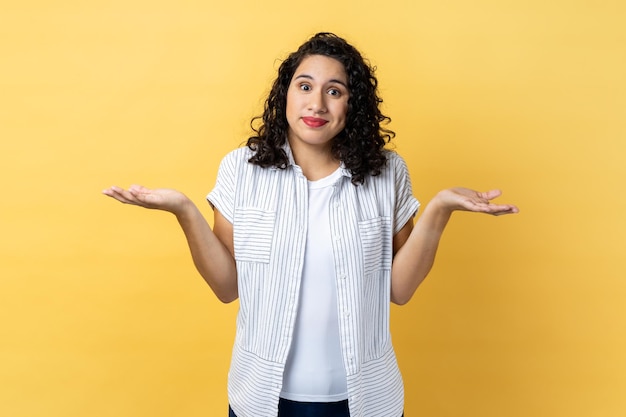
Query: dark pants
{"x":287,"y":408}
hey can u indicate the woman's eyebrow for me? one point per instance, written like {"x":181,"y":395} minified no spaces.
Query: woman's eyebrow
{"x":309,"y":77}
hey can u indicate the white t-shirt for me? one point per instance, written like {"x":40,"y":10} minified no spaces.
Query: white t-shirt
{"x":315,"y":371}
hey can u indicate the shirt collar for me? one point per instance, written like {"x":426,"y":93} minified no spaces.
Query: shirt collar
{"x":291,"y":162}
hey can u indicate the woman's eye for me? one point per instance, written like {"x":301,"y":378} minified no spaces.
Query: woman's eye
{"x":334,"y":92}
{"x":305,"y":87}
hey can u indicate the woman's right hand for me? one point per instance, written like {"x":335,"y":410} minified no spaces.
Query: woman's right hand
{"x":158,"y":199}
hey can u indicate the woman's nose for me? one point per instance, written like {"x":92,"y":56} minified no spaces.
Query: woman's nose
{"x":317,"y":102}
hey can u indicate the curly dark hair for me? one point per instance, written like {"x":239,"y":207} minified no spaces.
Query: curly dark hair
{"x":360,"y":145}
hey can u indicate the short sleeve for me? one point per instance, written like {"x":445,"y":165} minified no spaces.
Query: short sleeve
{"x":406,"y":205}
{"x":222,"y":197}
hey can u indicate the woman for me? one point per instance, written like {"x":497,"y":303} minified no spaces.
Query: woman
{"x":314,"y":233}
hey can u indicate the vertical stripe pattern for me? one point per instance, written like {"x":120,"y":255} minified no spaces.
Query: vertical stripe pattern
{"x":268,"y":210}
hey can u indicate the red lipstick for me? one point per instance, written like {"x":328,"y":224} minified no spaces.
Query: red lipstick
{"x":314,"y":121}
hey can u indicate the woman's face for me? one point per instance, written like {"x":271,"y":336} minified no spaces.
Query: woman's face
{"x":317,"y":102}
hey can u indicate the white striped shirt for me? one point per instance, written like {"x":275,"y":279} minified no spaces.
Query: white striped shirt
{"x":268,"y":210}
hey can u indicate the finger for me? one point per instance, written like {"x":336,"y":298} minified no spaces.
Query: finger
{"x":123,"y":199}
{"x":491,"y":194}
{"x":113,"y":192}
{"x":502,"y":213}
{"x":140,"y":193}
{"x":122,"y":195}
{"x":476,"y":205}
{"x":503,"y":209}
{"x":146,"y":197}
{"x":138,"y":189}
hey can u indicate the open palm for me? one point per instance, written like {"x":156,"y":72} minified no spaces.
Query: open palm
{"x":160,"y":198}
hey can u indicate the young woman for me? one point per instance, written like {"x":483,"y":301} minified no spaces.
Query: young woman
{"x":313,"y":232}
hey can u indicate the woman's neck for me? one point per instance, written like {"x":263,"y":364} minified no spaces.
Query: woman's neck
{"x":316,"y":162}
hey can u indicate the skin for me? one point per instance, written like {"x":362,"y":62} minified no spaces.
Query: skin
{"x":317,"y":104}
{"x":316,"y":112}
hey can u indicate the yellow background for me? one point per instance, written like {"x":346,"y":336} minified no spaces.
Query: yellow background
{"x":102,"y":312}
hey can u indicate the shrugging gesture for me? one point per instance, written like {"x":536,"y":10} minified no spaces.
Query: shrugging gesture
{"x":321,"y":123}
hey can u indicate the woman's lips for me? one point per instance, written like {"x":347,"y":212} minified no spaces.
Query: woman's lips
{"x":314,"y":121}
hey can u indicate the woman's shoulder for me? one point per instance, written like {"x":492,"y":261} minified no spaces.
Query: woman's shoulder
{"x":237,"y":157}
{"x":395,"y":170}
{"x":233,"y":162}
{"x":394,"y":160}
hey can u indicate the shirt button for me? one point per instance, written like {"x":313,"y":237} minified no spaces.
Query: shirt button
{"x":346,"y":313}
{"x":337,"y":237}
{"x":342,"y":277}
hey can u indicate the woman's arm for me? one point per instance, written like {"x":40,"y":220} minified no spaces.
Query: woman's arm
{"x":212,"y":251}
{"x":415,"y":247}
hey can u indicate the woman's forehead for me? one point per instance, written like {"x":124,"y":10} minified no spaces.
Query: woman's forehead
{"x":321,"y":68}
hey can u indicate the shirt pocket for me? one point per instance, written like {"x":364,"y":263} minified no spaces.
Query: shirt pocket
{"x":253,"y":234}
{"x":375,"y":236}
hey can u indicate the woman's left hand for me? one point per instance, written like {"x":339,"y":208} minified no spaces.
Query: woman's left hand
{"x":464,"y":199}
